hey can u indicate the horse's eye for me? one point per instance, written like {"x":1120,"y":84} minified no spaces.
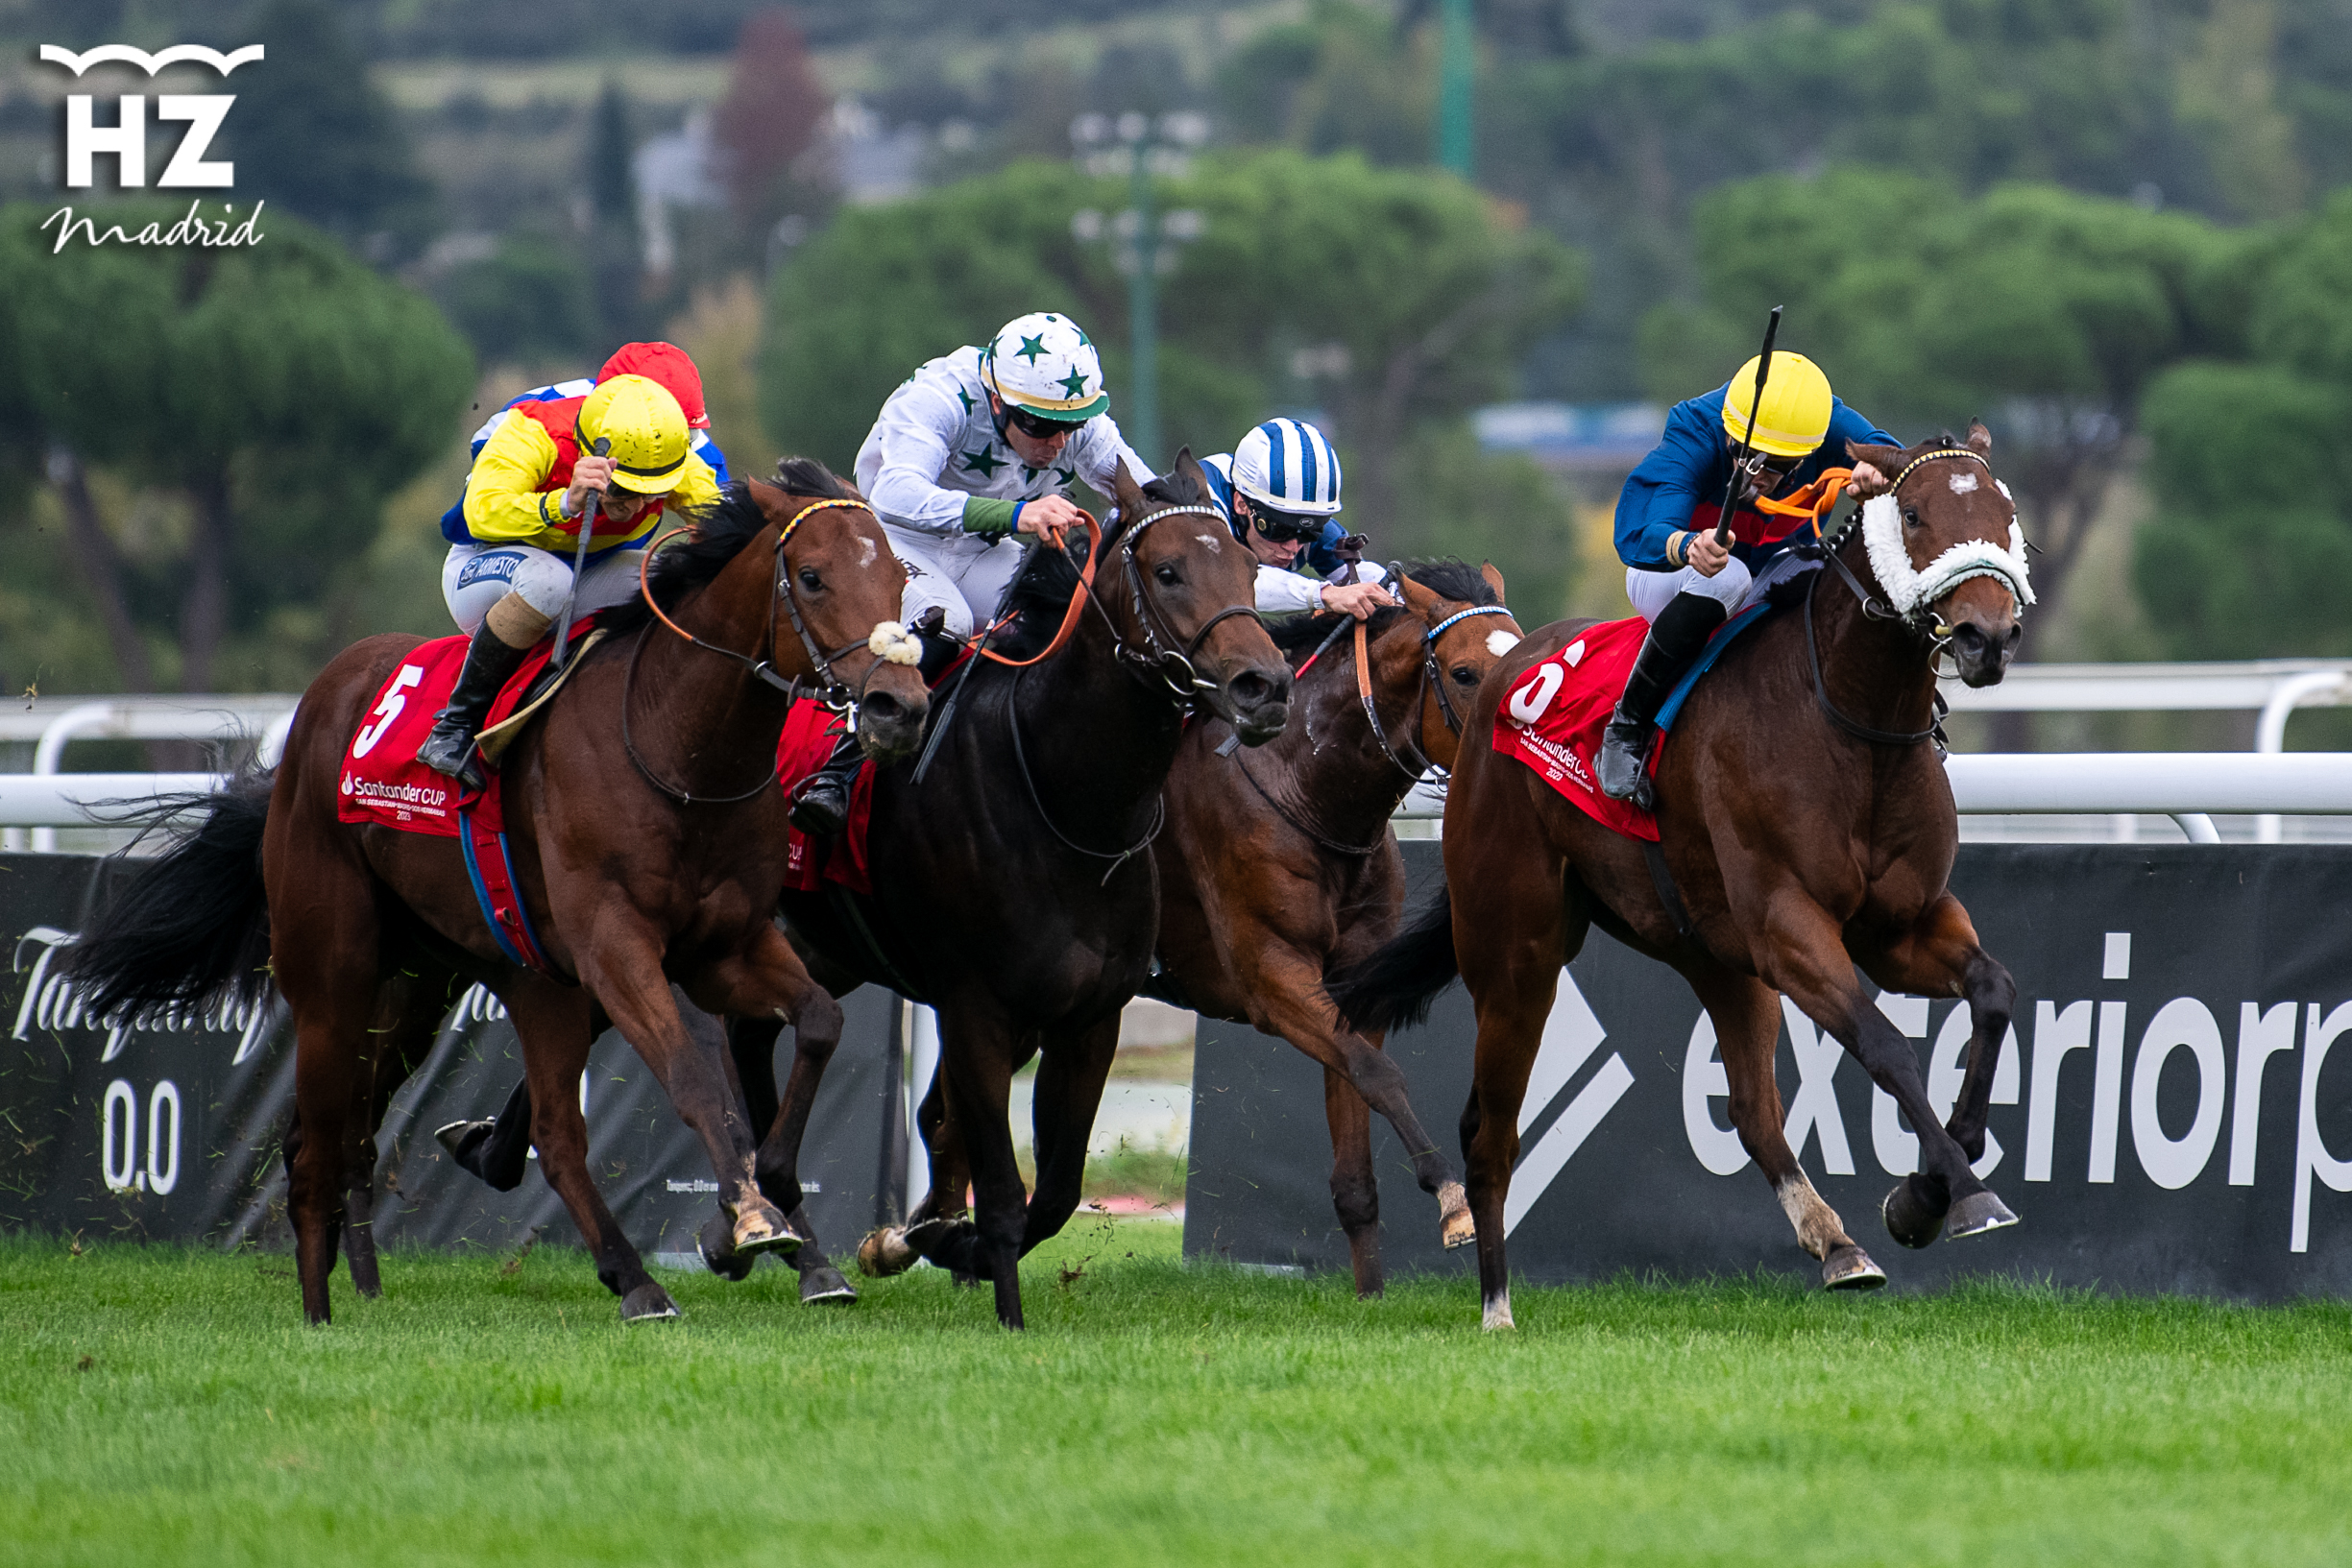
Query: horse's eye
{"x":1167,"y":575}
{"x":810,"y":579}
{"x":1910,"y":517}
{"x":1463,"y":675}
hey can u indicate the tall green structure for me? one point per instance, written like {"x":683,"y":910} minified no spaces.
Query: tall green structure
{"x":1457,"y":51}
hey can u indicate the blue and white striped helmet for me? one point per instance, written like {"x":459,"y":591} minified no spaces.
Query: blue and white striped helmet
{"x":1289,"y":466}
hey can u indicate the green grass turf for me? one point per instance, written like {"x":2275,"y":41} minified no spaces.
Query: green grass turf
{"x":167,"y":1406}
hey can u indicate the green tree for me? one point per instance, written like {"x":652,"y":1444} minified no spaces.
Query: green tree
{"x":312,"y":135}
{"x":272,"y":396}
{"x":1406,"y":294}
{"x":2250,"y":550}
{"x":2043,"y":311}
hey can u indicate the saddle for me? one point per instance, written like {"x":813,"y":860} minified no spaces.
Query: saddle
{"x":1552,"y":717}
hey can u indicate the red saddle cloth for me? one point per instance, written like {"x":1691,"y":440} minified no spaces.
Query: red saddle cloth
{"x":810,"y":731}
{"x":382,"y":780}
{"x":1552,"y":718}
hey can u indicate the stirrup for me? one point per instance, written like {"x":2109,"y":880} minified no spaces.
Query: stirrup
{"x":820,"y":806}
{"x":1617,"y":744}
{"x":465,"y":766}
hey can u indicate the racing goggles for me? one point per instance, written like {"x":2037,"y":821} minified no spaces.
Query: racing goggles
{"x":1036,"y":426}
{"x":1284,"y":527}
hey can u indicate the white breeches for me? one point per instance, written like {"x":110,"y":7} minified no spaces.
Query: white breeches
{"x":476,"y":576}
{"x":962,"y":575}
{"x":1734,"y":586}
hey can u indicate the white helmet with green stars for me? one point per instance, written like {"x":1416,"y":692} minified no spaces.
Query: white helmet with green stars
{"x":1043,"y":364}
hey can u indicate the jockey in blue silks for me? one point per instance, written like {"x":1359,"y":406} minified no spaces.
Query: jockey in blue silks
{"x":1279,"y":487}
{"x":1683,"y":582}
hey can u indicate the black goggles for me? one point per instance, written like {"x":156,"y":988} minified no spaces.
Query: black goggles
{"x":1284,"y":527}
{"x":1036,"y":426}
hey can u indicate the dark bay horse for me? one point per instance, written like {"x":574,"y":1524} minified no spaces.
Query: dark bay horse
{"x":1808,"y":829}
{"x":647,"y":840}
{"x":1014,"y":890}
{"x":1279,"y":864}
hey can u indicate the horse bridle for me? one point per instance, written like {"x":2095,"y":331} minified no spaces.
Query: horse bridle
{"x":1876,"y":608}
{"x":1433,"y":680}
{"x":1156,"y":660}
{"x":828,"y":691}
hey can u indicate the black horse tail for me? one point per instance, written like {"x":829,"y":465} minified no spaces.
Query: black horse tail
{"x":1396,"y":987}
{"x":193,"y":924}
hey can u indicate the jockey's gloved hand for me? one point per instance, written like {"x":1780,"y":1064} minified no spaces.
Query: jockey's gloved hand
{"x":1357,"y":600}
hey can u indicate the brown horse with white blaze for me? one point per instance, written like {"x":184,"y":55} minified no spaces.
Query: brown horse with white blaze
{"x":647,"y":840}
{"x":1807,"y":827}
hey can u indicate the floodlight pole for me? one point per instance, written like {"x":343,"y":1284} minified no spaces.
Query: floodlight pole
{"x":1143,"y":308}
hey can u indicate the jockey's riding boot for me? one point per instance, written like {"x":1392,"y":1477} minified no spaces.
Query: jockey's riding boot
{"x":939,"y":646}
{"x":1677,"y":637}
{"x":820,"y":805}
{"x":489,"y":661}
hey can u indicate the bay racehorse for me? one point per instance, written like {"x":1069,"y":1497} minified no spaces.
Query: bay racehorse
{"x":1014,"y":889}
{"x":1278,"y":864}
{"x":1807,"y":827}
{"x":647,"y":843}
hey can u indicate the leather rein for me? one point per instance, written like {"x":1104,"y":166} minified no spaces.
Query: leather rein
{"x":834,"y":694}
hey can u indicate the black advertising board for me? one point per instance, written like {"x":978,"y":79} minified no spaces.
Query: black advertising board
{"x":171,"y":1131}
{"x":2173,"y":1113}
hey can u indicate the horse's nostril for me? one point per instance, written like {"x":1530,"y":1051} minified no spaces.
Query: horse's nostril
{"x":884,"y":707}
{"x":1251,"y":689}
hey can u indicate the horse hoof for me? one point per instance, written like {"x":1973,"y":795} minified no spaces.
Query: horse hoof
{"x":824,"y":1286}
{"x":885,"y":1252}
{"x":1910,"y":1219}
{"x":1455,"y":1226}
{"x":759,"y":1227}
{"x":648,"y":1303}
{"x":456,"y":1136}
{"x":1496,"y":1317}
{"x":1850,"y":1269}
{"x":716,"y":1242}
{"x":1977,"y":1214}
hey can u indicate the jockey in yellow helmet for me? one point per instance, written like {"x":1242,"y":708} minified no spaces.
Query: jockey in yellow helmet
{"x":1683,"y":582}
{"x":525,"y":501}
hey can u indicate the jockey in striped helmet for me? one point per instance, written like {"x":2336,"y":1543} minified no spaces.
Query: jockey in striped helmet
{"x":1281,"y":491}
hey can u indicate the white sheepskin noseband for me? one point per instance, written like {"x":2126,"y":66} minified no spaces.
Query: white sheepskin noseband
{"x":1910,"y":588}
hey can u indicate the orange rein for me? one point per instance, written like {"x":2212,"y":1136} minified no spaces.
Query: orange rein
{"x":1068,"y":620}
{"x":646,"y":562}
{"x":1813,"y":502}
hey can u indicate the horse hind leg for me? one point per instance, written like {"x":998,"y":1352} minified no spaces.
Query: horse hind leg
{"x":1747,"y":1017}
{"x":408,"y":1013}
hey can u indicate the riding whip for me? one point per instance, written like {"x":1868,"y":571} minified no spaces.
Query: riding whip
{"x":1755,"y":405}
{"x":579,"y":559}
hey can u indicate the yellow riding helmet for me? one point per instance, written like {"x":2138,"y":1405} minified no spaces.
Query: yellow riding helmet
{"x":1794,"y":415}
{"x":646,"y":429}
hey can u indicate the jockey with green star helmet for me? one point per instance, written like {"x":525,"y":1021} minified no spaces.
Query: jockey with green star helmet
{"x":974,"y":454}
{"x":970,"y":460}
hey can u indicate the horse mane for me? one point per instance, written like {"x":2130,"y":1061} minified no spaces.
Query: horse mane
{"x":714,"y":537}
{"x":1039,"y":593}
{"x":1448,"y":577}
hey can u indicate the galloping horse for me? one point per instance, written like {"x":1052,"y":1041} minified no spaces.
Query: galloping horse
{"x":1013,"y":886}
{"x":1807,"y":827}
{"x":649,"y":841}
{"x":1279,"y":866}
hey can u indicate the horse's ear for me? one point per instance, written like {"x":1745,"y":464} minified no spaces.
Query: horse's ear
{"x":1419,"y":599}
{"x":1979,"y":439}
{"x":1494,"y":581}
{"x":1887,"y":460}
{"x":1188,"y":467}
{"x":1125,"y":491}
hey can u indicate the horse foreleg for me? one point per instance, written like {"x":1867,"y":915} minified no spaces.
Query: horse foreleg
{"x":1747,"y":1017}
{"x":1804,"y":954}
{"x":621,"y":968}
{"x":1941,"y":957}
{"x":977,"y":1058}
{"x":1355,"y":1187}
{"x":1069,"y":1092}
{"x":1286,"y":990}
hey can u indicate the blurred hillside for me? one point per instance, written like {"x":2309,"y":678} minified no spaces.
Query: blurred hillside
{"x":2138,"y":189}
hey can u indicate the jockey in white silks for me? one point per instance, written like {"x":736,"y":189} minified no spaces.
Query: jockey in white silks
{"x":970,"y":460}
{"x":1279,"y":487}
